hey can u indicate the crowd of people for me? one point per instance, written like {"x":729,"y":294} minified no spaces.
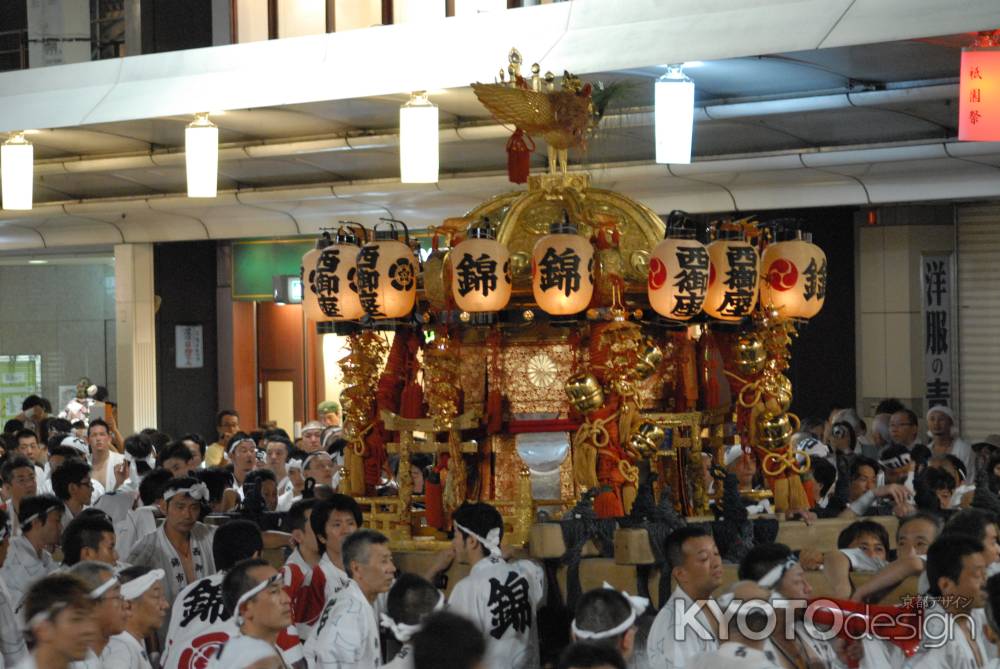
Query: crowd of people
{"x":146,"y":552}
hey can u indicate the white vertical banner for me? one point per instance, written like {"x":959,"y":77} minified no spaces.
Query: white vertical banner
{"x":937,"y":294}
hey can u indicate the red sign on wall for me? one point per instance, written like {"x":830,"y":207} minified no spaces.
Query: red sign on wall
{"x":979,"y":96}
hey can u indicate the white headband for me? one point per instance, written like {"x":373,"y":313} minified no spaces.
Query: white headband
{"x":137,"y":587}
{"x":293,"y":464}
{"x":404,"y":632}
{"x":198,"y":491}
{"x":900,"y":460}
{"x":47,"y":614}
{"x":774,"y":576}
{"x":309,"y":459}
{"x":236,"y":443}
{"x":491,"y":542}
{"x":733,"y":453}
{"x":149,"y":459}
{"x":35,"y":516}
{"x":251,"y":593}
{"x":638,"y":605}
{"x":103,"y":587}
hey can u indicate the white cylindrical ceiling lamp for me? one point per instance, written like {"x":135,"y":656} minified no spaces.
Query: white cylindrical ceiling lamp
{"x":673,"y":116}
{"x":17,"y":168}
{"x":418,"y":140}
{"x":201,"y":155}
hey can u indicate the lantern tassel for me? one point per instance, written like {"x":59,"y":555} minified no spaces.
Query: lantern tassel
{"x":519,"y":156}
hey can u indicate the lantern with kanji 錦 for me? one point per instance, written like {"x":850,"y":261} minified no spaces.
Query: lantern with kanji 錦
{"x":480,"y":266}
{"x":793,"y":278}
{"x":387,"y":273}
{"x":310,"y":302}
{"x":562,"y":270}
{"x":334,"y":279}
{"x":732,"y":277}
{"x":678,"y":276}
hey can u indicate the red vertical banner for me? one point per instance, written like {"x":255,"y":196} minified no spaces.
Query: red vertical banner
{"x":979,"y":96}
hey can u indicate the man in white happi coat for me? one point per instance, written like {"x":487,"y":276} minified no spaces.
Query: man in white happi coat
{"x":199,"y":622}
{"x":606,"y":617}
{"x":57,"y":612}
{"x":19,"y":481}
{"x":950,"y":639}
{"x":108,"y":611}
{"x":28,"y":558}
{"x":331,"y":520}
{"x":12,"y":646}
{"x":347,"y":634}
{"x":500,"y":597}
{"x":684,"y":628}
{"x":261,"y":608}
{"x":411,"y":598}
{"x":182,"y":546}
{"x":744,"y":642}
{"x":142,"y":590}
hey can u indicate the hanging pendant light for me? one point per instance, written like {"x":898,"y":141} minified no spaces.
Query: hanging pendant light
{"x":311,"y":287}
{"x":336,"y":276}
{"x":793,"y":278}
{"x":418,"y":140}
{"x":673,"y":116}
{"x":480,"y":265}
{"x":732,"y":277}
{"x":678,"y":274}
{"x":17,"y":169}
{"x":201,"y":155}
{"x":387,"y":273}
{"x":562,"y":270}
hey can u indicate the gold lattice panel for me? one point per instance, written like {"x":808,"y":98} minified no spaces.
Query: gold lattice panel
{"x":507,"y":465}
{"x":533,"y":376}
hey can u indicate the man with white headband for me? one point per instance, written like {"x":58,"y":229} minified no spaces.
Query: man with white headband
{"x":145,"y":605}
{"x":109,"y":609}
{"x":19,"y":481}
{"x":28,"y":559}
{"x":609,"y":618}
{"x":294,"y":484}
{"x":321,"y":468}
{"x":347,"y":634}
{"x":743,"y":642}
{"x":411,"y":598}
{"x":182,"y":546}
{"x":279,"y":452}
{"x":242,"y":453}
{"x":260,"y":607}
{"x":12,"y":646}
{"x":501,"y":598}
{"x":199,"y":622}
{"x":312,"y":437}
{"x":57,"y":612}
{"x":945,"y":440}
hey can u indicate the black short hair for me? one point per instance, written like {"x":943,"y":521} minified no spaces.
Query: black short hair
{"x":139,"y":446}
{"x":920,"y":454}
{"x":235,"y":541}
{"x":893,"y":451}
{"x":280,"y":439}
{"x":12,"y":426}
{"x":60,"y":426}
{"x":761,"y":559}
{"x":674,"y":547}
{"x":152,"y":485}
{"x":275,"y":433}
{"x":602,"y":609}
{"x":36,"y":401}
{"x":42,"y":505}
{"x":237,"y":582}
{"x":411,"y":598}
{"x":84,"y":532}
{"x":258,"y":476}
{"x":196,"y":439}
{"x":944,"y":558}
{"x":993,"y":602}
{"x":73,"y":470}
{"x":860,"y":461}
{"x":970,"y":522}
{"x":357,"y":544}
{"x":910,"y":415}
{"x":480,"y":518}
{"x":859,"y":527}
{"x":24,"y":434}
{"x":296,"y":516}
{"x":931,"y":518}
{"x":12,"y":464}
{"x":323,"y":509}
{"x":175,"y":450}
{"x":217,"y":479}
{"x":890,"y":405}
{"x":825,"y":474}
{"x":582,"y":655}
{"x":448,"y":640}
{"x":957,"y":464}
{"x":159,"y":440}
{"x":55,"y":591}
{"x":222,"y":414}
{"x":97,"y":422}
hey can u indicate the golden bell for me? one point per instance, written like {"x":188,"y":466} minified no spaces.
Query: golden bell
{"x":585,"y":393}
{"x":647,"y":439}
{"x":648,"y":361}
{"x":774,"y":431}
{"x":778,"y":390}
{"x":750,"y":355}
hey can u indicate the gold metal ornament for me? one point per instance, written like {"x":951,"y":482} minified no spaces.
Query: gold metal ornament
{"x":585,"y":393}
{"x":751,"y":355}
{"x":775,"y":431}
{"x":778,"y":390}
{"x":648,"y":361}
{"x":647,"y":439}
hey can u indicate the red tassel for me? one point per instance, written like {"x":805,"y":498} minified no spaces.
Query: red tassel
{"x":434,"y":504}
{"x":519,"y":156}
{"x":608,"y":505}
{"x":412,"y":401}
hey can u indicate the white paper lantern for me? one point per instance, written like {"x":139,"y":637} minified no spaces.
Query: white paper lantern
{"x":732,"y":278}
{"x":307,"y":272}
{"x":793,"y":278}
{"x":334,"y":278}
{"x":562,"y":271}
{"x":387,"y":275}
{"x":678,"y":278}
{"x":480,"y":271}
